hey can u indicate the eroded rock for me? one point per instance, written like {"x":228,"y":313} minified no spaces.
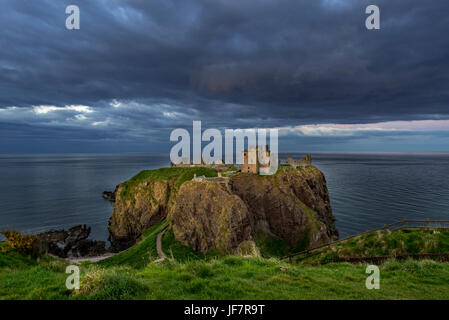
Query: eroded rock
{"x":207,"y":215}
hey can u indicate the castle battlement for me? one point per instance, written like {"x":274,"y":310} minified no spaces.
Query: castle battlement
{"x":306,"y":161}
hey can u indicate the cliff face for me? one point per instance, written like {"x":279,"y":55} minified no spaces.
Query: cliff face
{"x":206,"y":216}
{"x":145,"y":205}
{"x":145,"y":200}
{"x":292,"y":205}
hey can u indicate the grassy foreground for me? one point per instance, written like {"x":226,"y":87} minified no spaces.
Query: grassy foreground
{"x":136,"y":274}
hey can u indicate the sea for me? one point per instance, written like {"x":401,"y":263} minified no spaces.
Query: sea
{"x":39,"y":192}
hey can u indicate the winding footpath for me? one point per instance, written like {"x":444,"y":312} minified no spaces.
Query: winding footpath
{"x":91,"y":259}
{"x":160,"y":252}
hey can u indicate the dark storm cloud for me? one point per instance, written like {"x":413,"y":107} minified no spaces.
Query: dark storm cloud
{"x":229,"y":63}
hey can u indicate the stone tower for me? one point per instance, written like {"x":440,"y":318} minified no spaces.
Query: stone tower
{"x":252,"y":163}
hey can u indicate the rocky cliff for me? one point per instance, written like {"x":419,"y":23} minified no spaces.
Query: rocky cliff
{"x":292,"y":205}
{"x":145,"y":200}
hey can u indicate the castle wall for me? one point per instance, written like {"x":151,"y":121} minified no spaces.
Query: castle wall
{"x":306,"y":161}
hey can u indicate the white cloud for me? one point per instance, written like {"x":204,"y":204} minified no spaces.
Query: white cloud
{"x":343,"y":130}
{"x":75,"y":108}
{"x":100,"y":123}
{"x":171,"y":114}
{"x":115,"y":103}
{"x":80,"y":117}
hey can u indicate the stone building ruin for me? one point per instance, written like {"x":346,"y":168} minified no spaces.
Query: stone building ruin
{"x":303,"y":162}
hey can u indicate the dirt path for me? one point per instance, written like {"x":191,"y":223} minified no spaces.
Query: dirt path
{"x":160,"y":252}
{"x":91,"y":259}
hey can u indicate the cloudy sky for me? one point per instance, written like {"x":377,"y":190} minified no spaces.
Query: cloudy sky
{"x":138,"y":69}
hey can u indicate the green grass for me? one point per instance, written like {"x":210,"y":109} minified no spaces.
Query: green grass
{"x":14,"y":259}
{"x":186,"y":274}
{"x":114,"y":283}
{"x":174,"y":249}
{"x":23,"y":277}
{"x":270,"y":246}
{"x":385,"y":243}
{"x":178,"y":175}
{"x":257,"y":278}
{"x":307,"y":169}
{"x":189,"y":276}
{"x":230,"y":169}
{"x":139,"y":255}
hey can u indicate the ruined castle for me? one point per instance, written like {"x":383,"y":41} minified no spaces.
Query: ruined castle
{"x":306,"y":161}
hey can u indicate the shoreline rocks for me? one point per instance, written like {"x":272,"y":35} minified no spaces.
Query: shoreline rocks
{"x":72,"y":242}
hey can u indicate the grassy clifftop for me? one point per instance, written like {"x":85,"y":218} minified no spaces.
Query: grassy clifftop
{"x":178,"y":175}
{"x":384,"y":243}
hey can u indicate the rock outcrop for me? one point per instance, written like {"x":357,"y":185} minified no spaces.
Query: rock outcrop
{"x":148,"y":205}
{"x":207,"y":215}
{"x":292,"y":205}
{"x":72,"y":242}
{"x":109,"y":195}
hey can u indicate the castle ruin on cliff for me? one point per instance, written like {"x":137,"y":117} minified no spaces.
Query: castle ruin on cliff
{"x":306,"y":161}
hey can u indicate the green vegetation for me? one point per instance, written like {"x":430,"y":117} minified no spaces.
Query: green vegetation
{"x":384,"y":243}
{"x":139,"y":255}
{"x":26,"y":277}
{"x":257,"y":278}
{"x":173,"y":248}
{"x":285,"y":167}
{"x":13,"y":258}
{"x":136,"y":273}
{"x":232,"y":168}
{"x":229,"y":278}
{"x":114,"y":283}
{"x":27,"y":244}
{"x":270,"y":246}
{"x":178,"y":175}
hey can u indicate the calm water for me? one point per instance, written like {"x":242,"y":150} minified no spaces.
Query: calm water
{"x":41,"y":192}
